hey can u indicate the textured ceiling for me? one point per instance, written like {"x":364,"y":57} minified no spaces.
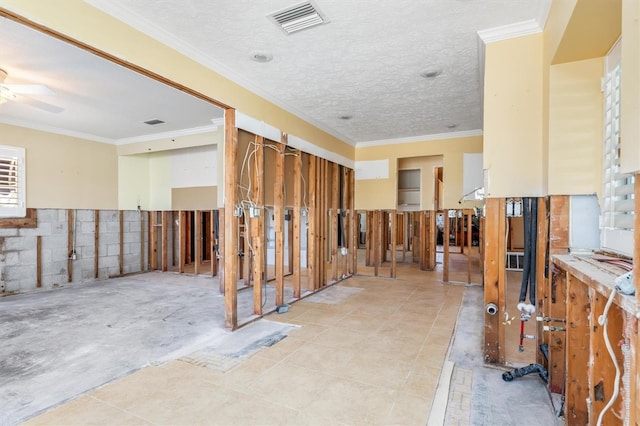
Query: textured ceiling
{"x":365,"y":63}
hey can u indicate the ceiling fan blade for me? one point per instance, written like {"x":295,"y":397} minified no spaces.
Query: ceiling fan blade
{"x":30,"y":89}
{"x":40,"y":105}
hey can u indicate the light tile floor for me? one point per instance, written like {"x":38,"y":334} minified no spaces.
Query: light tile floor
{"x":372,"y":358}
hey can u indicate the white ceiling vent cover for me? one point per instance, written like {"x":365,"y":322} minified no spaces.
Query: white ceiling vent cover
{"x":298,"y":17}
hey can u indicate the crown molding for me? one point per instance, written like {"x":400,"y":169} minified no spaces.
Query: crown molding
{"x":505,"y":32}
{"x":423,"y":138}
{"x":56,"y":130}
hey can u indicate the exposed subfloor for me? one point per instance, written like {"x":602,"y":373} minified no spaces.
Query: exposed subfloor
{"x":151,"y":349}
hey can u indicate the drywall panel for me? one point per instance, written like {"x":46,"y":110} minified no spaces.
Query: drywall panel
{"x":215,"y":137}
{"x":374,"y":169}
{"x":575,"y":128}
{"x":630,"y":84}
{"x":65,"y":172}
{"x":584,"y":233}
{"x":513,"y":117}
{"x":160,"y":181}
{"x":472,"y":175}
{"x":194,"y":167}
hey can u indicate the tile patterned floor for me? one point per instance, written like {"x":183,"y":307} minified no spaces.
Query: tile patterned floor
{"x":372,"y":358}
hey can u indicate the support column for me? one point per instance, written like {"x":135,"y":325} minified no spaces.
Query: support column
{"x":445,"y":247}
{"x":297,"y":220}
{"x":278,"y":208}
{"x":257,"y":225}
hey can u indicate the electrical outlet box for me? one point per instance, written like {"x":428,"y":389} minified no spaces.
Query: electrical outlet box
{"x":254,"y":212}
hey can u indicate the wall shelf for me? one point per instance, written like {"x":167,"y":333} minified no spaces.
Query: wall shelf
{"x":409,"y":192}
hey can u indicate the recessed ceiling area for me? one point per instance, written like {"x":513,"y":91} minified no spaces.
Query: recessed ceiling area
{"x":367,"y":60}
{"x":93,"y":98}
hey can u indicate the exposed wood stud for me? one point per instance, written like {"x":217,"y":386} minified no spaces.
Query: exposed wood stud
{"x":335,"y":192}
{"x":164,"y":230}
{"x":212,"y":243}
{"x":469,"y":234}
{"x":278,"y":209}
{"x":221,"y":248}
{"x":394,"y":241}
{"x":432,"y":236}
{"x":355,"y":226}
{"x":38,"y":261}
{"x":70,"y":248}
{"x":197,"y":241}
{"x":257,"y":225}
{"x":96,"y":245}
{"x":577,"y":352}
{"x":153,"y":240}
{"x":142,"y":254}
{"x":312,"y":247}
{"x":230,"y":221}
{"x":445,"y":246}
{"x":495,"y":228}
{"x":182,"y":241}
{"x":296,"y":221}
{"x":121,"y":255}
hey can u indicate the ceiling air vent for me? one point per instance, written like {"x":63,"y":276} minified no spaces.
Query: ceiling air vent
{"x":297,"y":18}
{"x":153,"y":122}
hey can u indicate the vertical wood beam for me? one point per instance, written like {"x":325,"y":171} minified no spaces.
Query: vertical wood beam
{"x":257,"y":224}
{"x":212,"y":243}
{"x":424,"y":246}
{"x":142,"y":214}
{"x":230,"y":221}
{"x":469,"y":233}
{"x":335,"y":192}
{"x":39,"y":261}
{"x":121,"y":255}
{"x":394,"y":241}
{"x":70,"y":249}
{"x":378,"y":242}
{"x":153,"y":240}
{"x":445,"y":247}
{"x":577,"y":352}
{"x":221,"y":249}
{"x":432,"y":236}
{"x":542,"y":276}
{"x":164,"y":229}
{"x":182,"y":242}
{"x":312,"y":225}
{"x":354,"y":218}
{"x":296,"y":246}
{"x":96,"y":244}
{"x":197,"y":241}
{"x":278,"y":208}
{"x":368,"y":242}
{"x":494,"y":289}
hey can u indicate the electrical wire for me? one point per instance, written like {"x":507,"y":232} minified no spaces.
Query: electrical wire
{"x":602,"y":320}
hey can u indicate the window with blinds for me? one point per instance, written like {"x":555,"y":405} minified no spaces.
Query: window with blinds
{"x":12,"y":182}
{"x":618,"y":202}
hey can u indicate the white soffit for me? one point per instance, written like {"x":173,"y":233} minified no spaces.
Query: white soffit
{"x":423,"y":138}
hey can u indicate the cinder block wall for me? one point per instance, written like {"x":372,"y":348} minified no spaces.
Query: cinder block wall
{"x":18,"y":249}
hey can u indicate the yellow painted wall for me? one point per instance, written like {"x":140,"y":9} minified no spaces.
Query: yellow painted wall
{"x":427,"y":185}
{"x":133,"y":182}
{"x":513,"y":115}
{"x":575,"y":128}
{"x":381,"y":193}
{"x":65,"y":172}
{"x":160,"y":181}
{"x":80,"y":21}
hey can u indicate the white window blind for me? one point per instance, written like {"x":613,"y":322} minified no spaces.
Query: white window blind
{"x":12,"y":182}
{"x":618,"y":190}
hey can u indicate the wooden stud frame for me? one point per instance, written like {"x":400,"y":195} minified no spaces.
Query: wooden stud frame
{"x":230,"y":221}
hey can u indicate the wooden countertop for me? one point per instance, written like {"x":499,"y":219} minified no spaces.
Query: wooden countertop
{"x":599,"y":277}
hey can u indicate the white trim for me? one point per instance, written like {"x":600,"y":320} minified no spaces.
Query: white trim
{"x":257,"y":127}
{"x":423,"y":138}
{"x":308,"y":147}
{"x":165,"y":135}
{"x":159,"y":34}
{"x":505,"y":32}
{"x":543,"y":13}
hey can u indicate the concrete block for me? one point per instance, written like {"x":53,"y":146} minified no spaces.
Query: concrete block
{"x":109,"y":262}
{"x":19,"y":272}
{"x":46,"y":256}
{"x":28,"y":256}
{"x":55,"y":241}
{"x":87,"y":252}
{"x":84,"y":215}
{"x":109,"y":238}
{"x":131,"y":237}
{"x":11,"y":258}
{"x":87,"y":228}
{"x":85,"y":239}
{"x":113,"y":250}
{"x":59,"y":254}
{"x":8,"y":233}
{"x":18,"y":244}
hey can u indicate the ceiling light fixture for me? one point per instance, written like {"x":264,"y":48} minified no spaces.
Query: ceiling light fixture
{"x":430,"y":74}
{"x":261,"y":57}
